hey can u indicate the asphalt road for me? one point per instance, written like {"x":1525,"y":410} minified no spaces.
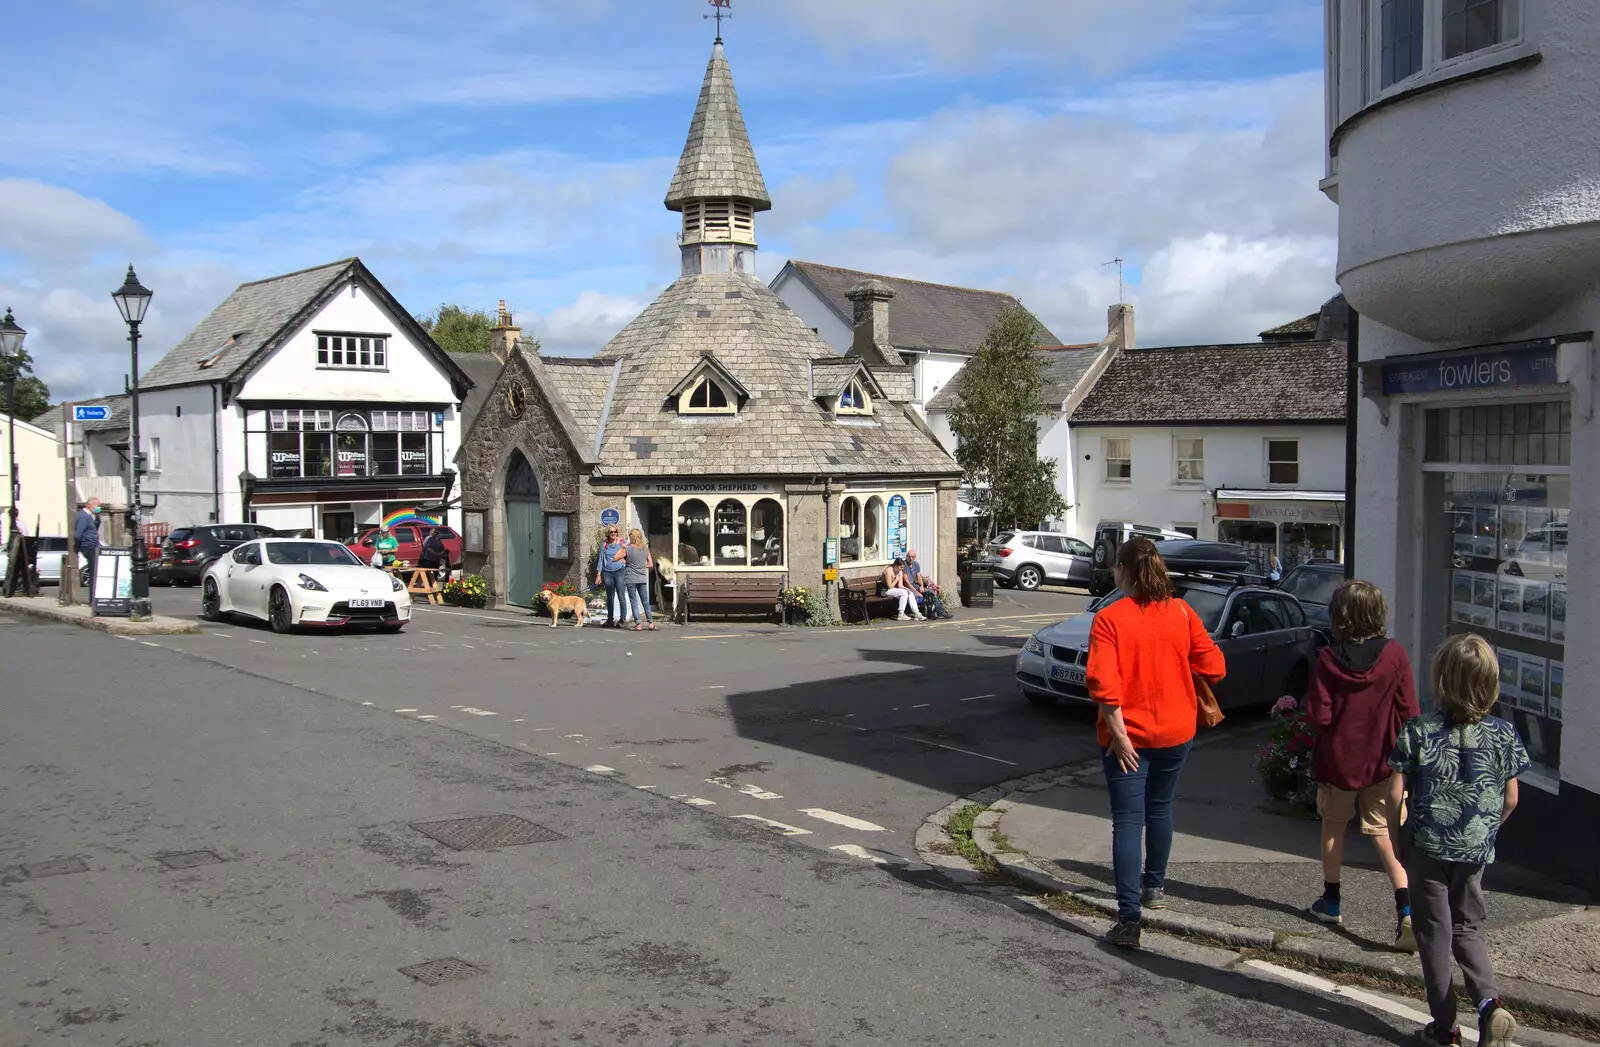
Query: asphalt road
{"x":634,"y":920}
{"x":843,"y":738}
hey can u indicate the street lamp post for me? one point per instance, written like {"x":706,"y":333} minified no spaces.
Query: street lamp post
{"x":11,"y":349}
{"x":132,"y":300}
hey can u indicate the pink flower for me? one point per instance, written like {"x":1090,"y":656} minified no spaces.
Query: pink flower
{"x":1286,"y":704}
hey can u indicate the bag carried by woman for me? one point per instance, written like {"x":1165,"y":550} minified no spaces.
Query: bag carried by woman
{"x":1147,"y":652}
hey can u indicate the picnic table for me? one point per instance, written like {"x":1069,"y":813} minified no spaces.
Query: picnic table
{"x":419,"y":581}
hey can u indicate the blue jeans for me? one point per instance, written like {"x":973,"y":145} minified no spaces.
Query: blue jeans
{"x":639,"y":593}
{"x":616,"y":599}
{"x":1141,"y":814}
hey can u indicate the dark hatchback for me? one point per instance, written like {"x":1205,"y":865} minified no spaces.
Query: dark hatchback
{"x":188,"y":551}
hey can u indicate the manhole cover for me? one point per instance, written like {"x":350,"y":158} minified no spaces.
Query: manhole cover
{"x":485,"y":832}
{"x":54,"y":867}
{"x":756,"y":717}
{"x":187,"y":859}
{"x":437,"y":972}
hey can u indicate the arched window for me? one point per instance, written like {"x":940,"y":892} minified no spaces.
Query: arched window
{"x":872,"y":530}
{"x":705,"y":396}
{"x":350,"y":445}
{"x":854,"y":399}
{"x":694,"y":533}
{"x":766,"y":534}
{"x":849,"y":531}
{"x":732,"y":534}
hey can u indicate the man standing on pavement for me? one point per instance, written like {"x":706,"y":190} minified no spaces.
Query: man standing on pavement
{"x":86,"y":532}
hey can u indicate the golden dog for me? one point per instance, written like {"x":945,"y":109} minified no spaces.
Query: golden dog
{"x":559,"y":605}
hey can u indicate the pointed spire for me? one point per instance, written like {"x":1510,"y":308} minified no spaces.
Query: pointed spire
{"x":717,"y":160}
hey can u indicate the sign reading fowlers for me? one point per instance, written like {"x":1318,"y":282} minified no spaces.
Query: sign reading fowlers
{"x":1526,"y":364}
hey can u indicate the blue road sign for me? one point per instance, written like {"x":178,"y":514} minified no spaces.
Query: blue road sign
{"x":90,"y":412}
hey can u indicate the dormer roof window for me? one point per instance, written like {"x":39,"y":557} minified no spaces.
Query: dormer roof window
{"x":709,"y":389}
{"x":854,"y":399}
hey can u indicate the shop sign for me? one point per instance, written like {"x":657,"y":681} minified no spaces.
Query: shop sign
{"x":111,"y":588}
{"x":897,"y":525}
{"x":1283,"y":512}
{"x":1465,"y":372}
{"x":701,"y":487}
{"x":830,"y":574}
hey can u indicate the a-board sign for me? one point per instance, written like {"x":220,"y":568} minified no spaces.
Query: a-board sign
{"x":111,"y":587}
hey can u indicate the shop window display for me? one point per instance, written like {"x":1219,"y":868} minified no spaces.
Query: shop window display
{"x":694,"y":533}
{"x":732,"y":545}
{"x":872,"y":530}
{"x":1496,"y":554}
{"x":766,"y":534}
{"x":1258,"y":538}
{"x":849,"y":530}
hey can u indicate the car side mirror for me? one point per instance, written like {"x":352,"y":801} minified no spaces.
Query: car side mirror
{"x":1236,"y":630}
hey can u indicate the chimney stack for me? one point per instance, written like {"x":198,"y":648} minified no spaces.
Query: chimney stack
{"x":870,"y":302}
{"x":503,"y":336}
{"x":1119,"y":326}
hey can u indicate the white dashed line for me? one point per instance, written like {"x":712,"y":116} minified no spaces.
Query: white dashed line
{"x":405,"y":710}
{"x":759,"y":793}
{"x":147,"y":643}
{"x":855,"y":850}
{"x":427,"y":716}
{"x":941,"y":745}
{"x":778,"y":827}
{"x":976,"y":697}
{"x":924,"y":705}
{"x":470,"y":711}
{"x":253,"y":640}
{"x":600,"y":768}
{"x":694,"y":801}
{"x":835,"y":818}
{"x":576,"y":736}
{"x":366,"y":703}
{"x":644,"y":787}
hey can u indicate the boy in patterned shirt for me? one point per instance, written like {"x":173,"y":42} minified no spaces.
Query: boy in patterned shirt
{"x":1460,"y":765}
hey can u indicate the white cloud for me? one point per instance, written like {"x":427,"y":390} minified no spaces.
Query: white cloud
{"x":46,"y":224}
{"x":587,"y":324}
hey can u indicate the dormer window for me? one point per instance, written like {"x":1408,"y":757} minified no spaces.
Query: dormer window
{"x":705,"y":396}
{"x":854,"y":399}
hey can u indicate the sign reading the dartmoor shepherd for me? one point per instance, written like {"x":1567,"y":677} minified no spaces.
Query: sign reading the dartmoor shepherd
{"x":702,"y":487}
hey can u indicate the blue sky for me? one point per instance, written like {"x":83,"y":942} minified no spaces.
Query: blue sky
{"x":519,"y":149}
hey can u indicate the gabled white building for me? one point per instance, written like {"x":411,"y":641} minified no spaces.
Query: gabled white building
{"x":307,"y":402}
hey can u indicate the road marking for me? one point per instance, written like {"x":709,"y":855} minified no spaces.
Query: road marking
{"x":1350,"y":992}
{"x":759,"y":793}
{"x":924,"y":705}
{"x":644,"y":787}
{"x":366,"y":703}
{"x":976,"y":697}
{"x":855,"y":850}
{"x":225,"y":636}
{"x":469,"y":647}
{"x":835,"y":818}
{"x":431,"y":632}
{"x":576,"y":736}
{"x":600,"y":768}
{"x":715,"y":687}
{"x":694,"y":801}
{"x":717,"y":636}
{"x":252,"y":640}
{"x":941,"y":745}
{"x":518,"y":720}
{"x":470,"y":711}
{"x":540,"y":730}
{"x":405,"y":710}
{"x":427,"y":716}
{"x":147,"y":643}
{"x":552,"y":754}
{"x":779,"y":827}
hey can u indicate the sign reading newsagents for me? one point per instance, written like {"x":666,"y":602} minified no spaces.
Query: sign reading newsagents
{"x":91,"y":412}
{"x":1498,"y":368}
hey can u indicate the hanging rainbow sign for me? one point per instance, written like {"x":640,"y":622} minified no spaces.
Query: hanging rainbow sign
{"x":409,"y":516}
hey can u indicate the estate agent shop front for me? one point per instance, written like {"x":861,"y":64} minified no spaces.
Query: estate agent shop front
{"x":1475,"y":459}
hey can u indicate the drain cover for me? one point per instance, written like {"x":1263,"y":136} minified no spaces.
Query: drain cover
{"x":485,"y":832}
{"x":54,"y":867}
{"x":187,"y":859}
{"x":437,"y":972}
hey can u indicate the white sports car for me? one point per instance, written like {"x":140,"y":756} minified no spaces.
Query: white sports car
{"x":290,"y":582}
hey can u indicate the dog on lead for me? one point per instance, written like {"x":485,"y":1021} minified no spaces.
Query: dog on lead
{"x":559,"y":605}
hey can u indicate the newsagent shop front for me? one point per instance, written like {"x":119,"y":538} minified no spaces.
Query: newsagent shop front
{"x":1473,"y":461}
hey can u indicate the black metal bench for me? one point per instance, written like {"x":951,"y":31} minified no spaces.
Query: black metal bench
{"x":859,"y":597}
{"x":753,"y":594}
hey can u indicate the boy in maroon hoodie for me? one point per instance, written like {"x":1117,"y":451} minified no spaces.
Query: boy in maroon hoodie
{"x":1361,"y":694}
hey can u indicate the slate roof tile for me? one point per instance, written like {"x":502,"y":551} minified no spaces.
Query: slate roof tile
{"x":1250,"y":382}
{"x":717,"y":160}
{"x":1060,"y":366}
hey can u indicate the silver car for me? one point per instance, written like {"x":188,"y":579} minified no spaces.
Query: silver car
{"x":49,"y":551}
{"x":1029,"y":559}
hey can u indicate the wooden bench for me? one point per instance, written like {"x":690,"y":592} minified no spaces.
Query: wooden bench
{"x":860,"y":597}
{"x":756,"y":593}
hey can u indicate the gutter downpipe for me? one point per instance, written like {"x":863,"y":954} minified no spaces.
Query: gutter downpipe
{"x":216,"y":458}
{"x":1352,"y":411}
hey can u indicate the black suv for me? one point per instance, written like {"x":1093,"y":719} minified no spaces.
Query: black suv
{"x":188,"y":551}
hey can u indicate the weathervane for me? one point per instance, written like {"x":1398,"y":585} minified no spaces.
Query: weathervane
{"x":724,"y":9}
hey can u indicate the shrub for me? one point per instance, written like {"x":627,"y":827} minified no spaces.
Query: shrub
{"x":1284,"y":760}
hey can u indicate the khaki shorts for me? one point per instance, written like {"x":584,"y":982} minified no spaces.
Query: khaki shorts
{"x":1340,"y":805}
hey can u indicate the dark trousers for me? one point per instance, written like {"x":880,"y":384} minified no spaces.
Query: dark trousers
{"x":1141,"y":821}
{"x":1447,"y":913}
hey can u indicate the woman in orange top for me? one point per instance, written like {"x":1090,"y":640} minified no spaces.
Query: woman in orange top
{"x":1144,"y":652}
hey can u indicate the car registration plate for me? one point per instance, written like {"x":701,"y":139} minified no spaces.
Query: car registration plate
{"x":366,"y":603}
{"x":1068,"y":673}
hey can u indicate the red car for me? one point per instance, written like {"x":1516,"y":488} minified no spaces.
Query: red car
{"x":410,"y":537}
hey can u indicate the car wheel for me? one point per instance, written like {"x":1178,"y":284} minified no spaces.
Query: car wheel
{"x":280,"y":613}
{"x":210,"y":601}
{"x":1043,"y":701}
{"x":1029,"y":578}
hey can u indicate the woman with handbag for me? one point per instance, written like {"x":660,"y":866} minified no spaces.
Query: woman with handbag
{"x":1150,"y":664}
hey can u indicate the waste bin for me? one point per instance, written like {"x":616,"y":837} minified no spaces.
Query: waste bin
{"x":977,"y":584}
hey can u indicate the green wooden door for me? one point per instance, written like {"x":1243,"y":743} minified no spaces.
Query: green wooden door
{"x":524,"y":534}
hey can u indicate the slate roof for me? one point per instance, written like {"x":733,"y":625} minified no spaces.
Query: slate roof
{"x":1303,"y":328}
{"x":717,"y":160}
{"x":922,"y":316}
{"x":829,"y":374}
{"x":121,"y":407}
{"x":483,"y":369}
{"x":582,"y":384}
{"x":1251,"y":382}
{"x":1062,"y":366}
{"x":780,"y":429}
{"x":251,"y":322}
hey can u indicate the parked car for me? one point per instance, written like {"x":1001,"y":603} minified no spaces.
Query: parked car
{"x":1108,"y":538}
{"x":1029,"y":559}
{"x":409,"y":537}
{"x":1313,"y":583}
{"x":291,"y":582}
{"x":1264,"y":634}
{"x":48,"y":552}
{"x":188,"y":551}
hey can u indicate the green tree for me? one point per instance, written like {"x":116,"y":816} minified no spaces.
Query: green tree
{"x":33,"y":396}
{"x":995,"y":421}
{"x":457,"y":330}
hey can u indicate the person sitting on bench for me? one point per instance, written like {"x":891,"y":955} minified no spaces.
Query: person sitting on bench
{"x":894,"y":584}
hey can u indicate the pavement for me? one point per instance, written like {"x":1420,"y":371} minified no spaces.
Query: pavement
{"x":199,"y":854}
{"x":46,"y":606}
{"x":1244,"y":870}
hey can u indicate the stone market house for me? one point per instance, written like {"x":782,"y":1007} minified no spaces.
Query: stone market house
{"x":716,"y":421}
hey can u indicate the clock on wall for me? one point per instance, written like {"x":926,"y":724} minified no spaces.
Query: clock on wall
{"x":516,"y":398}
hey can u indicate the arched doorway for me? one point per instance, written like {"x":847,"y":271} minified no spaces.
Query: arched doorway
{"x":524,"y":534}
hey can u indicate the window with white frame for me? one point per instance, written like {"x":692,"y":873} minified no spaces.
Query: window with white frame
{"x":353,"y":351}
{"x":1283,"y":462}
{"x":1399,"y":41}
{"x":1188,"y":460}
{"x":705,"y":396}
{"x":1467,"y":26}
{"x":153,"y":459}
{"x":854,"y":399}
{"x":1119,"y":459}
{"x":1409,"y":39}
